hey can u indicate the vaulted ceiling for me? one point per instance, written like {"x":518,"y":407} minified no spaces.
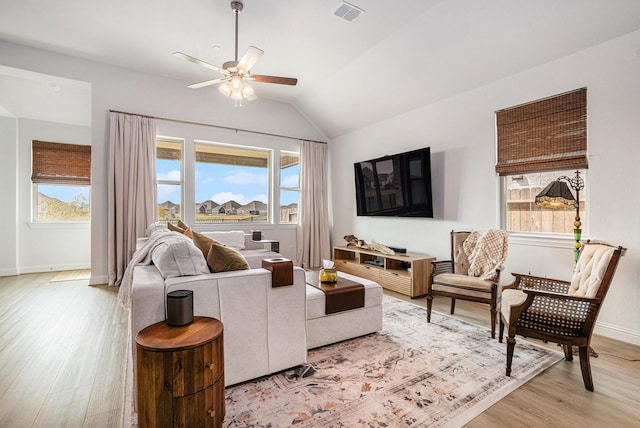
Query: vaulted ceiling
{"x":396,"y":56}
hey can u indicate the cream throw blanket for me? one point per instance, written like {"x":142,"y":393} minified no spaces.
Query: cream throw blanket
{"x":143,"y":257}
{"x":486,"y":253}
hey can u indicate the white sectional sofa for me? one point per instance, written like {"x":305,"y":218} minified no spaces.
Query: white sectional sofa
{"x":266,"y":329}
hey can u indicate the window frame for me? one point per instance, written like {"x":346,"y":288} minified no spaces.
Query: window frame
{"x":286,"y":188}
{"x":59,"y":164}
{"x":180,"y":182}
{"x":547,"y":135}
{"x":270,"y":188}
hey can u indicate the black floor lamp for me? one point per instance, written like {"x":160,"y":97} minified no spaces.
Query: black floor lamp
{"x":558,"y":196}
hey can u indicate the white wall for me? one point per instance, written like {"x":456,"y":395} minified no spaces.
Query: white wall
{"x":125,"y":90}
{"x":460,"y":131}
{"x":44,"y":246}
{"x":8,"y":214}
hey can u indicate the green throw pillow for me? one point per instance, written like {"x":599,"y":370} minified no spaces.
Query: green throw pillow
{"x":224,"y":259}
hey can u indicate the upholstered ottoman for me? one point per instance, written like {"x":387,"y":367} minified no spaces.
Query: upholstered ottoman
{"x":324,"y":329}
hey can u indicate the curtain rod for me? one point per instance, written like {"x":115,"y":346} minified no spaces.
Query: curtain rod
{"x":217,"y":126}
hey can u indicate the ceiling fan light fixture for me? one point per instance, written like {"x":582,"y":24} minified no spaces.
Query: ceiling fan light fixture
{"x":225,"y":89}
{"x":247,"y":90}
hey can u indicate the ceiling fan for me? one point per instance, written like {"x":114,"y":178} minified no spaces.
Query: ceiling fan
{"x":236,"y":73}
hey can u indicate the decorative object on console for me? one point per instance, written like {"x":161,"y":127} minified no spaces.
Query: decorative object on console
{"x":353,"y":240}
{"x":558,"y":196}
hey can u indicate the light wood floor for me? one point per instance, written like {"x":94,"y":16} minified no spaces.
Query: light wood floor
{"x":62,"y":354}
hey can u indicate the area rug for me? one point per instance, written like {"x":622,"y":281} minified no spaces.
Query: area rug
{"x":411,"y":374}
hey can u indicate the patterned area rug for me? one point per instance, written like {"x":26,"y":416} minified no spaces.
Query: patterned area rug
{"x":410,"y":374}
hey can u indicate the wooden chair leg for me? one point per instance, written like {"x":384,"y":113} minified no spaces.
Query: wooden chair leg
{"x":501,"y":333}
{"x":453,"y":305}
{"x":429,"y":305}
{"x":511,"y":344}
{"x":494,"y":312}
{"x":585,"y":367}
{"x":568,"y":354}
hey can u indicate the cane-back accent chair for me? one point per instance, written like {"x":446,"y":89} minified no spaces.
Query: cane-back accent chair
{"x":562,"y":312}
{"x":451,"y":278}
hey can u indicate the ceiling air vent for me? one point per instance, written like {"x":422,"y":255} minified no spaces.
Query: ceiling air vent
{"x":347,"y":11}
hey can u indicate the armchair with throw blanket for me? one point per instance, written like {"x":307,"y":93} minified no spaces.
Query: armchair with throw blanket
{"x":473,"y":273}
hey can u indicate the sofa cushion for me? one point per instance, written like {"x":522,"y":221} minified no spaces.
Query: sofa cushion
{"x":451,"y":282}
{"x":232,"y":238}
{"x":224,"y":259}
{"x":179,"y":258}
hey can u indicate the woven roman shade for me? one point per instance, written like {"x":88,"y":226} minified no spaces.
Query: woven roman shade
{"x":544,"y":135}
{"x":169,"y":150}
{"x":57,"y":163}
{"x":231,"y":156}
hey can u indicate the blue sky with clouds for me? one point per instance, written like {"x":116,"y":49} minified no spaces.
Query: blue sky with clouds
{"x":223,"y":183}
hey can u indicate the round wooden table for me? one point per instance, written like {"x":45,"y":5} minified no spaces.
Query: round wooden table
{"x":180,"y":374}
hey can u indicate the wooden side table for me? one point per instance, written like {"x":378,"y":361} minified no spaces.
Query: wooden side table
{"x":180,"y":374}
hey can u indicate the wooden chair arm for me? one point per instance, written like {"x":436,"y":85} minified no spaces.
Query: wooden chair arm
{"x":441,"y":266}
{"x":522,"y":281}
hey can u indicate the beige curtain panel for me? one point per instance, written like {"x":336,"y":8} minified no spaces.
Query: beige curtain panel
{"x":313,"y":227}
{"x":132,"y":187}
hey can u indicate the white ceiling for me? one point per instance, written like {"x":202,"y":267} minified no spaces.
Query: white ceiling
{"x":398,"y":55}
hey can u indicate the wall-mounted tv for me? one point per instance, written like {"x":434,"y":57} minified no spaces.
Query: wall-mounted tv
{"x":395,"y":185}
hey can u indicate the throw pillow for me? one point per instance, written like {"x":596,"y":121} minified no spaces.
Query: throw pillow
{"x":182,"y":225}
{"x":203,"y":242}
{"x":175,"y":228}
{"x":224,"y":259}
{"x":179,"y":258}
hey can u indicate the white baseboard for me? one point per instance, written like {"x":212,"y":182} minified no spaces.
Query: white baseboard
{"x":8,"y":272}
{"x":53,"y":268}
{"x":619,"y":333}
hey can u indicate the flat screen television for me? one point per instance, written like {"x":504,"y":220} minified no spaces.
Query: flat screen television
{"x":395,"y":185}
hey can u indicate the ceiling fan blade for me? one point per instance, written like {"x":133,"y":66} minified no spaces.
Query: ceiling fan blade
{"x":250,"y":57}
{"x":274,"y":79}
{"x":208,"y":83}
{"x":200,"y":62}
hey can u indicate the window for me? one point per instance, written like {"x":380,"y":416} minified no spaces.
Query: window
{"x":169,"y":179}
{"x":61,"y":176}
{"x":289,"y":186}
{"x":537,"y":143}
{"x":523,"y":215}
{"x":231,"y":184}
